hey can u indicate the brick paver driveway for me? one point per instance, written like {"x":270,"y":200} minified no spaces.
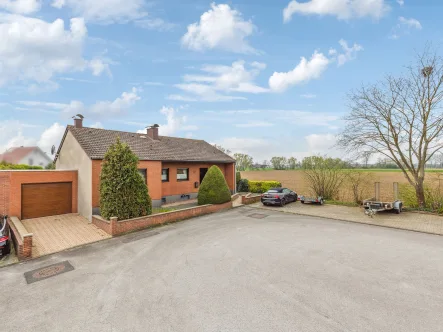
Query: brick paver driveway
{"x":241,"y":270}
{"x":57,"y":233}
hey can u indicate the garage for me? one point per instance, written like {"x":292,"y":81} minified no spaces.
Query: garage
{"x":46,"y":199}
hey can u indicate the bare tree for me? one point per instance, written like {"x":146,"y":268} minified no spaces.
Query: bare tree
{"x":222,"y":149}
{"x":400,"y":118}
{"x":324,"y":175}
{"x":243,"y":161}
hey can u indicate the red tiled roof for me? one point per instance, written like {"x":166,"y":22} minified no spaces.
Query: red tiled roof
{"x":14,"y":155}
{"x":95,"y":142}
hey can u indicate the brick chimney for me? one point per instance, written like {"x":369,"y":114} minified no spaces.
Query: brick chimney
{"x":78,"y":121}
{"x":152,"y":131}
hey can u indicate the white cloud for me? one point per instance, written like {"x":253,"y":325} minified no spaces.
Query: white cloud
{"x":51,"y":136}
{"x":35,"y":50}
{"x":320,"y":143}
{"x":11,"y":135}
{"x":15,"y":133}
{"x":410,"y":22}
{"x":401,"y":2}
{"x":342,"y":9}
{"x":311,"y":69}
{"x":97,"y":125}
{"x":174,"y":122}
{"x":305,"y":71}
{"x":256,"y":147}
{"x":21,"y":6}
{"x":220,"y":28}
{"x":58,"y":4}
{"x":254,"y":124}
{"x":97,"y":110}
{"x":404,"y":27}
{"x":217,"y":81}
{"x":33,"y":103}
{"x":155,"y":24}
{"x":119,"y":105}
{"x":105,"y":11}
{"x":349,"y":54}
{"x":308,"y":96}
{"x":98,"y":66}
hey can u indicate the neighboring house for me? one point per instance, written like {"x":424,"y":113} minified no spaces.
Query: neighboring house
{"x":173,"y":167}
{"x":32,"y":156}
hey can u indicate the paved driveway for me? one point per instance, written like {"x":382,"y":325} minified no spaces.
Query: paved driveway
{"x":231,"y":272}
{"x":57,"y":233}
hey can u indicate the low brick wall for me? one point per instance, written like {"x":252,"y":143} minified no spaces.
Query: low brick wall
{"x":250,"y":199}
{"x":21,"y":238}
{"x":116,"y":227}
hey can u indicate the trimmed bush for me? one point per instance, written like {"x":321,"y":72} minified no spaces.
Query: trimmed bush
{"x":123,"y":191}
{"x":213,"y":189}
{"x":237,"y":177}
{"x":260,"y":187}
{"x":243,"y":186}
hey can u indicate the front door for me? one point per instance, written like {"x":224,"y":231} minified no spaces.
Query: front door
{"x":203,"y":172}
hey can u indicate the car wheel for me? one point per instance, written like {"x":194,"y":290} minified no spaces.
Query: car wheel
{"x":303,"y":202}
{"x":282,"y":203}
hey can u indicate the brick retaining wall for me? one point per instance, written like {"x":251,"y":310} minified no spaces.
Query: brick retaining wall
{"x":21,"y":238}
{"x":250,"y":199}
{"x":116,"y":227}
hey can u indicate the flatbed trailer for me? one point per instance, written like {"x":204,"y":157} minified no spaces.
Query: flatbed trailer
{"x":313,"y":200}
{"x":375,"y":204}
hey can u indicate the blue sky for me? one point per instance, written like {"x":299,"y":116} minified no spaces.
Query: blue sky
{"x":260,"y":77}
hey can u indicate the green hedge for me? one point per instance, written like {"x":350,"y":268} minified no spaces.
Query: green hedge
{"x":6,"y":166}
{"x":260,"y":187}
{"x":213,"y":189}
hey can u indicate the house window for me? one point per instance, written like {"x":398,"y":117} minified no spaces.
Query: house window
{"x":143,"y":172}
{"x":182,"y":174}
{"x":30,"y":162}
{"x":165,"y":174}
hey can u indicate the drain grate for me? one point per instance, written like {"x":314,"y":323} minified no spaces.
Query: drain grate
{"x":258,"y":216}
{"x":48,"y":272}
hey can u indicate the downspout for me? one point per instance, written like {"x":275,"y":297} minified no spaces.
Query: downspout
{"x":235,"y":177}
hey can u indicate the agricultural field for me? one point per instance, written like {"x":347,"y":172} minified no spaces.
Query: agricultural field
{"x":294,"y":180}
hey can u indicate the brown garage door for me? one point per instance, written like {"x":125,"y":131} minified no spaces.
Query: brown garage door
{"x":46,"y":199}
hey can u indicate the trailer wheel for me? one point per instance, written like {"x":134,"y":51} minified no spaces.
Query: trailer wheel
{"x":399,"y":210}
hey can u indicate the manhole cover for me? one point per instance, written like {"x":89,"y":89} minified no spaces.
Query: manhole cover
{"x":258,"y":216}
{"x":48,"y":272}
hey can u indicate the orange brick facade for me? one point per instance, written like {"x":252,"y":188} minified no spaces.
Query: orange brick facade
{"x":158,"y":188}
{"x":13,"y":181}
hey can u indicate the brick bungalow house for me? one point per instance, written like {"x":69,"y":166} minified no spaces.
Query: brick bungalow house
{"x":173,"y":167}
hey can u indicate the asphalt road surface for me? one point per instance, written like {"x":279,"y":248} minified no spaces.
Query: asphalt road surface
{"x":231,"y":272}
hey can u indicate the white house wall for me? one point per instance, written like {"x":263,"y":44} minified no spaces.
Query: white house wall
{"x":72,"y":157}
{"x":38,"y":157}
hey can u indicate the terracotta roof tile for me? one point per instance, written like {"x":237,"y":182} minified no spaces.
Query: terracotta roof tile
{"x":95,"y":142}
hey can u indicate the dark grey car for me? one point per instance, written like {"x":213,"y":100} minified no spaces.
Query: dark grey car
{"x":278,"y":196}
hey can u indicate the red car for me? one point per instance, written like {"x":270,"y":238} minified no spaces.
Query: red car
{"x":5,"y":238}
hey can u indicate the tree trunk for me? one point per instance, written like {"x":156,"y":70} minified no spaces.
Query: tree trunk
{"x":420,"y":193}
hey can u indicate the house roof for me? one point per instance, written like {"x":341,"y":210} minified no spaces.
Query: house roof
{"x":95,"y":142}
{"x":15,"y":155}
